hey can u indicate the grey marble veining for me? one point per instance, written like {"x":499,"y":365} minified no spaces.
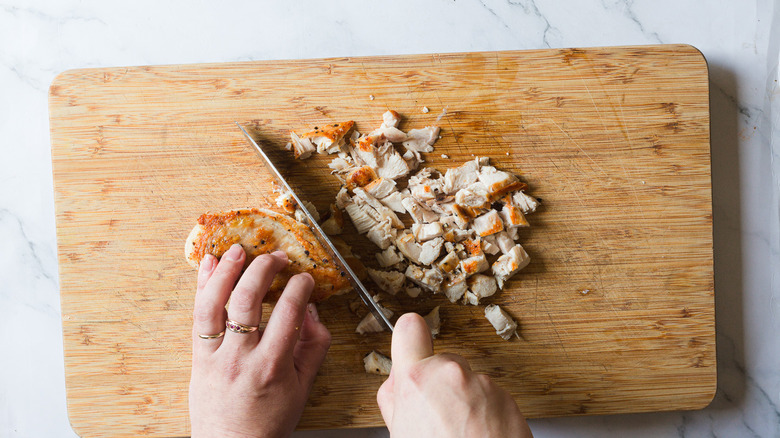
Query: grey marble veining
{"x":740,"y":39}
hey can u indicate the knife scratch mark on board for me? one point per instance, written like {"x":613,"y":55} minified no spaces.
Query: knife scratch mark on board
{"x":581,"y":149}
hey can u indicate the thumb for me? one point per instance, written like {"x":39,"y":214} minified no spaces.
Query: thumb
{"x":411,"y":341}
{"x":312,"y":346}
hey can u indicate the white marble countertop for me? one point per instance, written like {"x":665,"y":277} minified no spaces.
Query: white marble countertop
{"x":740,"y":39}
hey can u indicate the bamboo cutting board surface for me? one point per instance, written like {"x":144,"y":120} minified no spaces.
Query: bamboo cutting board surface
{"x":616,"y":308}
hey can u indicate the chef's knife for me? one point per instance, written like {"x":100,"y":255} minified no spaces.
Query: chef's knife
{"x":321,"y":236}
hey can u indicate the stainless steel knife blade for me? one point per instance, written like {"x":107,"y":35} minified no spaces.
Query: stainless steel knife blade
{"x":321,"y":236}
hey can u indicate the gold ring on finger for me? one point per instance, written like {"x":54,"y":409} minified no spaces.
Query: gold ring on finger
{"x":217,"y":336}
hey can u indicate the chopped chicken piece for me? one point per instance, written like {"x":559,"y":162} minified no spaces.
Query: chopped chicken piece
{"x":393,"y":134}
{"x":487,"y":224}
{"x":431,"y":250}
{"x":379,"y":153}
{"x":474,"y":264}
{"x":377,"y":363}
{"x":409,"y":247}
{"x":449,"y":262}
{"x":360,"y":177}
{"x":301,"y":217}
{"x":470,"y":298}
{"x":430,"y":279}
{"x":442,"y":205}
{"x":497,"y":182}
{"x":434,"y":321}
{"x":472,"y":247}
{"x":342,"y":198}
{"x":418,"y":212}
{"x":475,"y":195}
{"x":413,"y":291}
{"x":412,"y":159}
{"x":422,"y":140}
{"x":414,"y":208}
{"x":527,"y":203}
{"x":329,"y":138}
{"x":460,"y":177}
{"x":513,"y":233}
{"x":512,"y":214}
{"x":367,"y":150}
{"x":475,"y":260}
{"x":339,"y":164}
{"x":380,"y":187}
{"x":393,"y":166}
{"x":369,"y":324}
{"x":425,"y":188}
{"x":509,"y":264}
{"x":425,"y":232}
{"x":286,"y":202}
{"x":389,"y":281}
{"x":302,"y":147}
{"x":383,"y":234}
{"x":501,"y":321}
{"x":393,"y":201}
{"x":384,"y":212}
{"x":461,"y":215}
{"x":360,"y":216}
{"x":504,"y":241}
{"x":389,"y":257}
{"x":455,"y":288}
{"x":489,"y":245}
{"x":480,"y":286}
{"x":390,"y":119}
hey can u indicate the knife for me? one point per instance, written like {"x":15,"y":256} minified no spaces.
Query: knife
{"x":321,"y":236}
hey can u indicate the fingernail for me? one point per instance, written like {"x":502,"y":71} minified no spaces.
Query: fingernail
{"x":313,"y":312}
{"x":280,"y":254}
{"x":234,"y":253}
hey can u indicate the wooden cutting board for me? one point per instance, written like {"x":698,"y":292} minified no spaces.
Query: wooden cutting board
{"x":616,"y":307}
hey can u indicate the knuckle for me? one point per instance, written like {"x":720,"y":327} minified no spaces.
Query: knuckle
{"x":243,"y":299}
{"x":228,"y":365}
{"x":266,"y":262}
{"x":453,"y":371}
{"x":202,"y":314}
{"x":272,"y":372}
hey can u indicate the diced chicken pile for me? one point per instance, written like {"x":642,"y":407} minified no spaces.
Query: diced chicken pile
{"x":463,"y":239}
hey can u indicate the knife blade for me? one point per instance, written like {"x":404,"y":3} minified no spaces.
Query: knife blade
{"x":322,"y":238}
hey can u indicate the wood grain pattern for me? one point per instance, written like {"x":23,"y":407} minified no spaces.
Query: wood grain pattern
{"x":614,"y":140}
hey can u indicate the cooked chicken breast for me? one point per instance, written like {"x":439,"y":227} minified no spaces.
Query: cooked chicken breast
{"x":480,"y":286}
{"x":380,"y":187}
{"x":389,"y":281}
{"x":455,"y":288}
{"x":527,"y":203}
{"x":501,"y":321}
{"x":461,"y":177}
{"x":390,"y":119}
{"x":377,"y":363}
{"x":433,"y":320}
{"x":262,"y":231}
{"x":509,"y":264}
{"x":389,"y":257}
{"x":369,"y":324}
{"x":302,"y":147}
{"x":329,"y":138}
{"x":488,"y":223}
